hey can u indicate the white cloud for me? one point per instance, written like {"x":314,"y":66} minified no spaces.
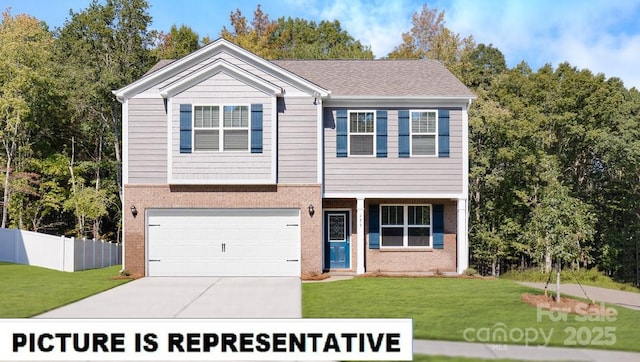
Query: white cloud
{"x":615,"y":56}
{"x":378,"y":23}
{"x":600,"y":35}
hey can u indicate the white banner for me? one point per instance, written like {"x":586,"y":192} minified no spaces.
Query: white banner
{"x":205,"y":339}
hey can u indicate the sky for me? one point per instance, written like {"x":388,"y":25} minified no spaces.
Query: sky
{"x":600,"y":35}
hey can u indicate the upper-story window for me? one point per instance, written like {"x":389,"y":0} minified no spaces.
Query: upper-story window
{"x":424,"y":132}
{"x":210,"y":134}
{"x":362,"y":133}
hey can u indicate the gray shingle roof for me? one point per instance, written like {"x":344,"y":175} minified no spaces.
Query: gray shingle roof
{"x":373,"y":78}
{"x":159,"y":65}
{"x":379,"y":78}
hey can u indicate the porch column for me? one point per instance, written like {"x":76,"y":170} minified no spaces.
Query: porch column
{"x":360,"y":238}
{"x":462,"y":245}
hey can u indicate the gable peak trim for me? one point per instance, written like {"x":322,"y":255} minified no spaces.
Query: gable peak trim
{"x":211,"y":50}
{"x":220,"y":66}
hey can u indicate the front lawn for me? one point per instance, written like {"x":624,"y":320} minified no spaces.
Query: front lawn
{"x":26,"y":290}
{"x":459,"y":309}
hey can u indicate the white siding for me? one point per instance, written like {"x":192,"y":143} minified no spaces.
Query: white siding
{"x":147,"y":141}
{"x":222,"y":89}
{"x":393,"y":174}
{"x":297,"y":141}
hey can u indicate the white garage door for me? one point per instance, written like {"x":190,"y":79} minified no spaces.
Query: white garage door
{"x":223,"y":242}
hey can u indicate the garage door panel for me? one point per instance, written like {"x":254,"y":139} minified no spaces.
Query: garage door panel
{"x":231,"y":268}
{"x":168,"y":252}
{"x":264,"y":251}
{"x":223,"y":242}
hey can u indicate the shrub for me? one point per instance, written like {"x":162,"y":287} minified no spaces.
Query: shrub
{"x":470,"y":272}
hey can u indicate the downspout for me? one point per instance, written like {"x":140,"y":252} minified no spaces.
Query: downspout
{"x":463,"y":203}
{"x":125,"y":162}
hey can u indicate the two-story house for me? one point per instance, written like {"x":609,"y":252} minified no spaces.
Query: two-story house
{"x":238,"y":166}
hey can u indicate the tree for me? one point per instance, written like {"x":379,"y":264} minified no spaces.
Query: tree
{"x":481,"y":66}
{"x":40,"y":194}
{"x":293,"y":38}
{"x":302,"y":39}
{"x":429,"y":38}
{"x":25,"y":90}
{"x":177,"y":43}
{"x":256,"y":36}
{"x":559,"y":225}
{"x":100,"y":49}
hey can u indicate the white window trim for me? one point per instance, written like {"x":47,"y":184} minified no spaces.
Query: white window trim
{"x":405,"y":227}
{"x":411,"y":133}
{"x":221,"y":128}
{"x":375,"y":120}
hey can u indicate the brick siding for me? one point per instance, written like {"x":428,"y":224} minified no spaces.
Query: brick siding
{"x":398,"y":261}
{"x":166,"y":196}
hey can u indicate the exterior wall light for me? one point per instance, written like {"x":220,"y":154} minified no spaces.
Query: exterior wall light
{"x":311,"y":210}
{"x":134,"y":211}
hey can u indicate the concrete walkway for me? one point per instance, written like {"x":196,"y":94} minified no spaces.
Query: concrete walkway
{"x":523,"y":353}
{"x":624,"y":299}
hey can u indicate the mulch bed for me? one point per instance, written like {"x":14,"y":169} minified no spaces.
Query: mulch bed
{"x":313,"y":276}
{"x":568,"y":305}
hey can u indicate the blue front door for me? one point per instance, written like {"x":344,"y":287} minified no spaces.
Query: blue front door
{"x":336,"y":247}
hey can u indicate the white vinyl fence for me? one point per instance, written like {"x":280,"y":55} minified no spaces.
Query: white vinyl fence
{"x":57,"y":252}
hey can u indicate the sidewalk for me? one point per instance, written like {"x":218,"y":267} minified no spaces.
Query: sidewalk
{"x":523,"y":353}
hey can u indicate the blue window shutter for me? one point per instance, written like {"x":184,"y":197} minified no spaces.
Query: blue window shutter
{"x":185,"y":128}
{"x":403,"y":133}
{"x":341,"y":133}
{"x":381,"y":134}
{"x":443,"y":133}
{"x":256,"y":128}
{"x":438,"y":226}
{"x":374,"y":226}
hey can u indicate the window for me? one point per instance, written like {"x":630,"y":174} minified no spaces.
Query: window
{"x":405,"y":226}
{"x":206,"y":128}
{"x":361,"y":133}
{"x":424,"y":133}
{"x":419,"y":225}
{"x":232,"y":134}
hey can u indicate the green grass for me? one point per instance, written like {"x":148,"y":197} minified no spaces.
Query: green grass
{"x":424,"y":358}
{"x":592,"y":277}
{"x":443,"y":308}
{"x":26,"y":290}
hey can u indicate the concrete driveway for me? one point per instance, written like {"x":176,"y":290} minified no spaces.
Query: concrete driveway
{"x":192,"y":297}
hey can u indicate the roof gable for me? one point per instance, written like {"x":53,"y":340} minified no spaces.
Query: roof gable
{"x":219,"y":66}
{"x":161,"y":73}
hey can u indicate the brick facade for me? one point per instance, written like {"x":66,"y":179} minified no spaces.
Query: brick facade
{"x":380,"y":260}
{"x":166,"y":196}
{"x":436,"y":260}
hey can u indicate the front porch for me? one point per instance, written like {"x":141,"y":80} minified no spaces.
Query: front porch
{"x":386,"y":235}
